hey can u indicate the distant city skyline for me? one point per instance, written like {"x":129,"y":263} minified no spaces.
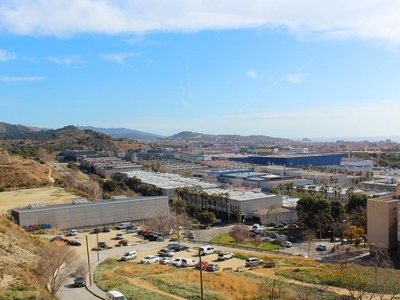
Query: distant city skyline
{"x":317,"y":70}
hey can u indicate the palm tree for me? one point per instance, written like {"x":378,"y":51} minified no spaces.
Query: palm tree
{"x":311,"y":189}
{"x":300,"y":189}
{"x":324,"y":190}
{"x":226,"y":197}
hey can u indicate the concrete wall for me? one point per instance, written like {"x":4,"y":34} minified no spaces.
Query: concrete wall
{"x":92,"y":214}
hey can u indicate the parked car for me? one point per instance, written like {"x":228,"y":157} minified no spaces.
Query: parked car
{"x":132,"y":229}
{"x":79,"y":281}
{"x":280,"y":225}
{"x":225,"y":255}
{"x":129,"y":255}
{"x":166,"y":260}
{"x":188,"y":262}
{"x":119,"y":236}
{"x":59,"y":238}
{"x":293,"y":225}
{"x":149,"y":259}
{"x":152,"y":237}
{"x":334,"y":239}
{"x":202,"y":266}
{"x":73,"y":232}
{"x":178,"y":247}
{"x":106,"y":229}
{"x":271,"y":224}
{"x":102,"y":245}
{"x":321,"y":247}
{"x":172,"y":246}
{"x":123,"y":242}
{"x":115,"y":295}
{"x":73,"y":243}
{"x":212,"y":267}
{"x":177,"y":262}
{"x":204,"y":250}
{"x":253,"y":261}
{"x":287,"y":244}
{"x":166,"y":252}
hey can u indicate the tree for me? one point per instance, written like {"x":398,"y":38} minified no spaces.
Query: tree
{"x":256,"y":241}
{"x":178,"y":208}
{"x":356,"y":201}
{"x":313,"y":211}
{"x":207,"y":217}
{"x":353,"y":233}
{"x":159,"y":221}
{"x":240,"y":233}
{"x":56,"y":263}
{"x":337,"y":210}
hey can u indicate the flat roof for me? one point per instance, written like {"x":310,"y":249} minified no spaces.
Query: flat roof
{"x":91,"y":203}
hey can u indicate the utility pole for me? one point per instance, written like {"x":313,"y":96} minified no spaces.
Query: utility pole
{"x":88,"y":257}
{"x":201,"y":277}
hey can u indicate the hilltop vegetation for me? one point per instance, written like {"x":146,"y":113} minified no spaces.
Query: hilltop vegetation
{"x":18,"y":257}
{"x":19,"y":173}
{"x":20,"y":139}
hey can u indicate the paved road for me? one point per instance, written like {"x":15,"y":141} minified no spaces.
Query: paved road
{"x":68,"y":292}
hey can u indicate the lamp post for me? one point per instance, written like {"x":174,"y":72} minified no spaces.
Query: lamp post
{"x":201,"y":276}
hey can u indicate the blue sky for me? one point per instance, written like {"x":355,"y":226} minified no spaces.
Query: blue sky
{"x":277,"y":68}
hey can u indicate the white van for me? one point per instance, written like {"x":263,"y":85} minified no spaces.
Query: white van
{"x":204,"y":250}
{"x":124,"y":225}
{"x":115,"y":295}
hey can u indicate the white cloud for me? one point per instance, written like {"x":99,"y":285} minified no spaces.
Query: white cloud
{"x":341,"y":19}
{"x":252,"y":74}
{"x":295,"y":78}
{"x":119,"y":58}
{"x":68,"y":61}
{"x":5,"y":56}
{"x":17,"y":79}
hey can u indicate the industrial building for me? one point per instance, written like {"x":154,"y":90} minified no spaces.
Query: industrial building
{"x":82,"y":213}
{"x":293,"y":160}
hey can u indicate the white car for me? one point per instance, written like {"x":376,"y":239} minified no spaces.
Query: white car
{"x":188,"y":262}
{"x":177,"y":262}
{"x":287,"y":244}
{"x":119,"y":236}
{"x":133,"y":229}
{"x":149,"y":259}
{"x":166,"y":260}
{"x":225,"y":255}
{"x":129,"y":255}
{"x":73,"y":232}
{"x":321,"y":247}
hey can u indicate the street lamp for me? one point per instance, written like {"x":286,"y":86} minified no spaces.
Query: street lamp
{"x":201,"y":276}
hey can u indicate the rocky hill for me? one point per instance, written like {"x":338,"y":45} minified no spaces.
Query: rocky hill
{"x":69,"y":137}
{"x":19,"y":173}
{"x":124,"y":133}
{"x":18,"y":254}
{"x":227,"y":138}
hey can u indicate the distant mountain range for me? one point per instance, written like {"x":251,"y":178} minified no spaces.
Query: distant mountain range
{"x":87,"y":135}
{"x":124,"y":133}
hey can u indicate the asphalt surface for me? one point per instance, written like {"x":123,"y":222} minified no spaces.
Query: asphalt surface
{"x":69,"y":292}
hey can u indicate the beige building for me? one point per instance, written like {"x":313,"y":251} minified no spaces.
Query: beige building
{"x":383,"y":222}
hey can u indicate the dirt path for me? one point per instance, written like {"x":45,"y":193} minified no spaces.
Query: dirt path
{"x":148,"y":286}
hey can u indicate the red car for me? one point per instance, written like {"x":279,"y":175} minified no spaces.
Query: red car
{"x":59,"y":238}
{"x":203,"y":266}
{"x":123,"y":242}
